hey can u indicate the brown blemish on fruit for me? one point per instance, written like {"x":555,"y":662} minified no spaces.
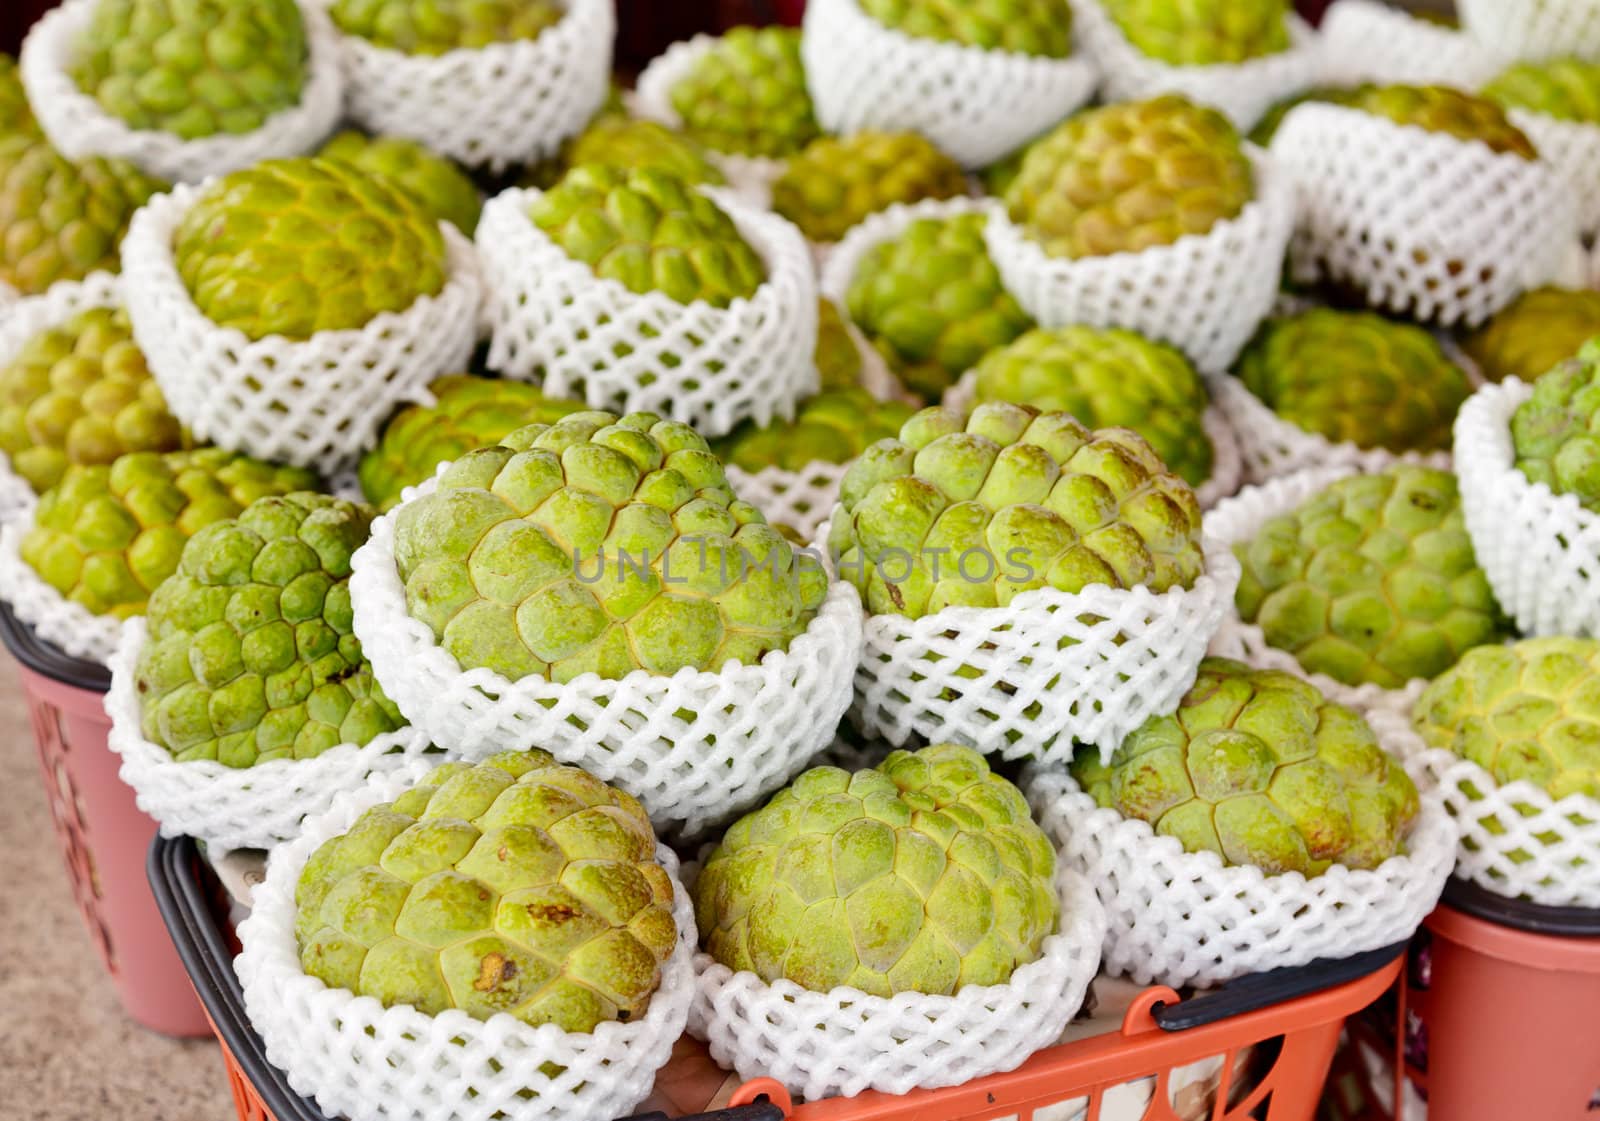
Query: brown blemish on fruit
{"x":494,"y":969}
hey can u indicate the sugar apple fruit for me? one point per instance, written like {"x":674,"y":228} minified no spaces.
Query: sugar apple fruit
{"x":748,"y":96}
{"x":931,"y":302}
{"x":1260,"y":768}
{"x":1526,"y":712}
{"x":293,"y":247}
{"x":650,"y":232}
{"x":251,"y":654}
{"x":832,"y":427}
{"x":923,"y":875}
{"x":442,"y":188}
{"x":1567,"y":89}
{"x":975,"y":510}
{"x":1203,"y":32}
{"x":625,"y":143}
{"x":1555,"y":434}
{"x":1450,"y":111}
{"x":1372,"y":580}
{"x":599,"y":544}
{"x":1125,"y":177}
{"x":1030,"y":27}
{"x":1356,"y":377}
{"x":1108,"y":378}
{"x":107,"y":536}
{"x":1540,"y":329}
{"x":436,"y":27}
{"x":517,"y":885}
{"x":836,"y":182}
{"x":61,"y":220}
{"x":193,"y":68}
{"x":839,"y":364}
{"x":80,"y":392}
{"x":468,"y":412}
{"x":16,"y":115}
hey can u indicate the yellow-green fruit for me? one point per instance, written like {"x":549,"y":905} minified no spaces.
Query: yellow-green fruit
{"x":107,"y":536}
{"x":515,"y":886}
{"x":441,"y":187}
{"x":1555,"y":433}
{"x":972,"y":511}
{"x":1203,"y":32}
{"x":1450,"y":111}
{"x":838,"y":359}
{"x":1125,"y":177}
{"x":435,"y":27}
{"x":194,"y":68}
{"x":1538,"y":331}
{"x":836,"y":182}
{"x":833,"y":427}
{"x":599,"y":544}
{"x":15,"y":113}
{"x":1260,"y":768}
{"x":747,"y":95}
{"x":924,"y":875}
{"x":468,"y":412}
{"x":1372,"y":580}
{"x":1108,"y":378}
{"x":1567,"y":89}
{"x":1356,"y":377}
{"x":1526,"y":712}
{"x":624,"y":143}
{"x":1031,"y":27}
{"x":293,"y":247}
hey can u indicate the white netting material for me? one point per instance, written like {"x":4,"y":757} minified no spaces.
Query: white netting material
{"x":1369,"y":41}
{"x":801,"y":500}
{"x":1514,"y":839}
{"x":78,"y":127}
{"x":846,"y":1041}
{"x":585,"y":337}
{"x":1574,"y":148}
{"x":1534,"y":29}
{"x":497,"y":106}
{"x":693,"y":747}
{"x":1180,"y":918}
{"x":316,"y":402}
{"x":364,"y":1062}
{"x":1047,"y":671}
{"x":1443,"y":229}
{"x":233,"y":807}
{"x":978,"y":105}
{"x":1244,"y":90}
{"x":57,"y":620}
{"x":1205,"y":294}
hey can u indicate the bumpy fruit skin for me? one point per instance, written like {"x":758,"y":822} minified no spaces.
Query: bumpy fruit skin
{"x":442,"y":188}
{"x":1555,"y":433}
{"x":1442,"y":109}
{"x":975,"y":510}
{"x":251,"y":654}
{"x":836,"y":182}
{"x":15,"y":113}
{"x":832,"y":427}
{"x":193,"y":68}
{"x":1031,"y":27}
{"x":1260,"y":768}
{"x":61,"y":220}
{"x":1129,"y":176}
{"x":293,"y":247}
{"x":435,"y":27}
{"x":923,"y":875}
{"x":81,"y":393}
{"x":650,"y":232}
{"x":838,"y":360}
{"x":107,"y":536}
{"x":1203,"y":32}
{"x":1356,"y":377}
{"x":624,"y":143}
{"x":1108,"y":379}
{"x":1526,"y":712}
{"x":931,"y":301}
{"x":748,"y":95}
{"x":1372,"y":580}
{"x":1540,"y":329}
{"x":469,"y":412}
{"x":1565,"y":88}
{"x":599,"y":544}
{"x":515,"y":886}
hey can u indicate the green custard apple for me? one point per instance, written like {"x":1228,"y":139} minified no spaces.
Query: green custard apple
{"x":1555,"y":434}
{"x":1031,"y":27}
{"x":1567,"y":89}
{"x":1449,"y":111}
{"x":1203,"y":32}
{"x":16,"y":115}
{"x":833,"y":427}
{"x":747,"y":95}
{"x":837,"y":182}
{"x":839,"y":364}
{"x":436,"y":27}
{"x":625,"y":143}
{"x":437,"y":183}
{"x":1538,"y":330}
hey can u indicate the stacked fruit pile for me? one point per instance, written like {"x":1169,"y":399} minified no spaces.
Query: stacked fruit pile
{"x":470,"y":502}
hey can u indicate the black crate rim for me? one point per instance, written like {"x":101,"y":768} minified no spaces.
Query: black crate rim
{"x":1521,"y":914}
{"x":47,"y":659}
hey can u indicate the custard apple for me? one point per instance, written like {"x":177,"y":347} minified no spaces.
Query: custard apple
{"x":1567,"y":89}
{"x":1372,"y":580}
{"x":1125,"y":177}
{"x":193,"y":68}
{"x":748,"y":96}
{"x":107,"y":536}
{"x":1555,"y":434}
{"x":442,"y":188}
{"x":1108,"y":378}
{"x":1260,"y":768}
{"x":1442,"y":109}
{"x":1203,"y":32}
{"x":436,"y":27}
{"x":924,"y":875}
{"x":838,"y":360}
{"x":832,"y":427}
{"x":1356,"y":377}
{"x":1030,"y":27}
{"x":931,"y":301}
{"x":599,"y":544}
{"x":625,"y":144}
{"x":837,"y":182}
{"x":80,"y":392}
{"x":517,"y":885}
{"x":293,"y":247}
{"x":650,"y":232}
{"x":975,"y":510}
{"x":15,"y":113}
{"x":1538,"y":331}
